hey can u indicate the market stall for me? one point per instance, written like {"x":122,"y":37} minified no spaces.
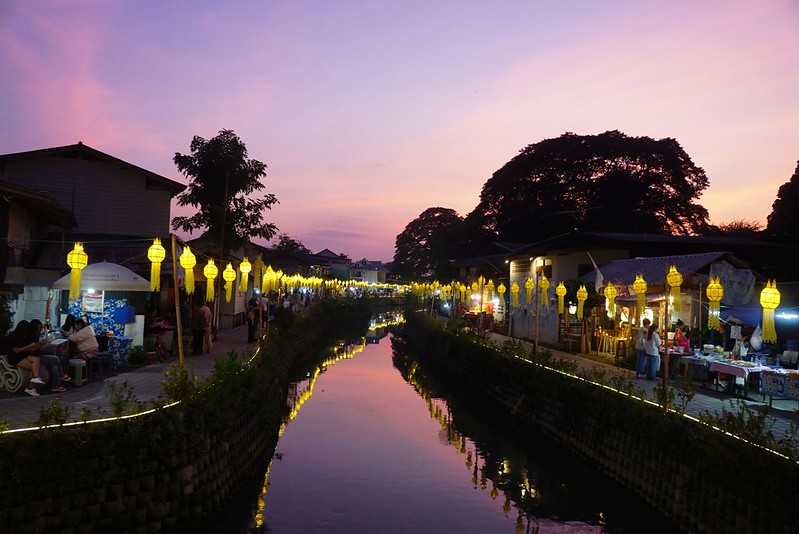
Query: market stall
{"x":111,"y":298}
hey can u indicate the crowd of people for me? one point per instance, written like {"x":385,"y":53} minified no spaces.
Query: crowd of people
{"x":23,"y":349}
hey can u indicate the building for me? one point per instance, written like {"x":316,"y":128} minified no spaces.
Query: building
{"x":327,"y":263}
{"x":116,"y":209}
{"x":364,"y":270}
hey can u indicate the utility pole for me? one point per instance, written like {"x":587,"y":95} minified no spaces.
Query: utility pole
{"x":178,"y":319}
{"x":222,"y":257}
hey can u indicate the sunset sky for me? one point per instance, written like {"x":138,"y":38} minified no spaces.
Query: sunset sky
{"x":369,"y":112}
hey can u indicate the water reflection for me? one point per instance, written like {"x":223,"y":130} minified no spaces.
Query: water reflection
{"x":371,"y":454}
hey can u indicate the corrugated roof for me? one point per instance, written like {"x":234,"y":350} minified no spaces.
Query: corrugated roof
{"x":654,"y":268}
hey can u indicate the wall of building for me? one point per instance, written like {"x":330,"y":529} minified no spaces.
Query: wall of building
{"x":105,"y":197}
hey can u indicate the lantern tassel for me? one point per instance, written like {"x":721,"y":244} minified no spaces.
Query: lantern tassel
{"x":74,"y":284}
{"x":769,"y":330}
{"x":713,"y":316}
{"x":228,"y":291}
{"x":675,"y":296}
{"x":155,"y":276}
{"x":580,"y":303}
{"x":209,"y":291}
{"x":244,"y":281}
{"x":189,"y":281}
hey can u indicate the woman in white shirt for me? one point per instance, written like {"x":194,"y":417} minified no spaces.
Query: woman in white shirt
{"x":85,"y":340}
{"x":652,"y":349}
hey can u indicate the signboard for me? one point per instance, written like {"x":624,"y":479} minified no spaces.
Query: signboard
{"x":92,"y":302}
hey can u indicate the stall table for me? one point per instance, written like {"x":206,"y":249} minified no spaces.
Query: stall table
{"x":737,"y":369}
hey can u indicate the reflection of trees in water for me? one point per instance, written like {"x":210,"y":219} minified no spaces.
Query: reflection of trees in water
{"x":501,"y":470}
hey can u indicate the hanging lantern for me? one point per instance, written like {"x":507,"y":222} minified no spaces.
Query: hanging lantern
{"x":244,"y":267}
{"x":188,"y":261}
{"x":560,"y":291}
{"x":544,"y":287}
{"x":257,"y":275}
{"x":582,"y":296}
{"x":475,"y":287}
{"x":529,"y":285}
{"x":610,"y":295}
{"x":77,"y":260}
{"x":156,"y":255}
{"x":514,"y":295}
{"x":210,"y":272}
{"x":229,"y":276}
{"x":639,"y":288}
{"x":674,"y":279}
{"x":501,"y":291}
{"x":714,"y":292}
{"x":769,"y":300}
{"x":463,"y":288}
{"x":268,"y":280}
{"x":490,"y":289}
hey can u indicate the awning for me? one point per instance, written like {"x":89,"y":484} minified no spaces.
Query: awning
{"x":106,"y":276}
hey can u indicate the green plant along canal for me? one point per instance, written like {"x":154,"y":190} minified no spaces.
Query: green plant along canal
{"x":373,"y":444}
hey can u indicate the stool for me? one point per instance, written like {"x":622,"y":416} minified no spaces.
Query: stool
{"x":78,"y":371}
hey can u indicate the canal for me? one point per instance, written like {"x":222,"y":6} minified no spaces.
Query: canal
{"x":373,"y":444}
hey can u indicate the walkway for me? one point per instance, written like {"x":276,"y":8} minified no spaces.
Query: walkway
{"x":705,"y":400}
{"x":20,"y":410}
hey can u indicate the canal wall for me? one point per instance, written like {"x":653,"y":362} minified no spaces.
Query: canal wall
{"x":174,"y":468}
{"x":703,"y":479}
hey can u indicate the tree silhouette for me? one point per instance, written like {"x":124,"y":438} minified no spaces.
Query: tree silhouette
{"x":218,"y":169}
{"x":784,"y":219}
{"x":737,"y":228}
{"x":423,"y":247}
{"x":286,"y":243}
{"x":605,"y":182}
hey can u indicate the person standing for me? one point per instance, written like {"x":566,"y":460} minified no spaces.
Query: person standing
{"x":252,"y":319}
{"x":208,"y":341}
{"x":640,"y":349}
{"x":652,"y":348}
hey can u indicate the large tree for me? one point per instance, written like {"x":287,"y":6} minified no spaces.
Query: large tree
{"x":736,"y":228}
{"x":784,"y":219}
{"x":605,"y":182}
{"x":219,"y":169}
{"x":423,"y":248}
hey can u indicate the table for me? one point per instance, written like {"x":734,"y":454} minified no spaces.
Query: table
{"x":780,"y":383}
{"x":739,"y":371}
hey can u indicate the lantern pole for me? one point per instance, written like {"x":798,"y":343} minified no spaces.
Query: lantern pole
{"x":699,"y":325}
{"x":178,"y":323}
{"x":667,"y":324}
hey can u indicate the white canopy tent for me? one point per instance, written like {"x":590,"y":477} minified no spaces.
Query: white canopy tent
{"x":104,"y":276}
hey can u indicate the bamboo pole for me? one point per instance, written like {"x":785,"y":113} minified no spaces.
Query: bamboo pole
{"x":178,"y":322}
{"x":666,"y":325}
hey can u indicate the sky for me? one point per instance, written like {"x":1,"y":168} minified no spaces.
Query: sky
{"x":369,"y":112}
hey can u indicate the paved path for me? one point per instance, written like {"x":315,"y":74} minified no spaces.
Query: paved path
{"x":783,"y":415}
{"x":21,"y":410}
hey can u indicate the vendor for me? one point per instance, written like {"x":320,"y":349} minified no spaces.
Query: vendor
{"x":85,"y":340}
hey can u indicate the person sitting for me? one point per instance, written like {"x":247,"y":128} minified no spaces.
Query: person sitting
{"x":70,"y":325}
{"x":682,"y":339}
{"x":85,"y":340}
{"x":18,"y":350}
{"x":51,"y":362}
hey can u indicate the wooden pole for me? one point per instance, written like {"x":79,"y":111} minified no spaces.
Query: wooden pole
{"x":178,"y":322}
{"x":667,"y":324}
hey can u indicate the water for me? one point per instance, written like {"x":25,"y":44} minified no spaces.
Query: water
{"x":371,"y":446}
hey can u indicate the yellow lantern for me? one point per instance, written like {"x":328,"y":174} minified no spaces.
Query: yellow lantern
{"x":475,"y":287}
{"x":714,"y":292}
{"x":582,"y":296}
{"x":639,"y":288}
{"x":77,"y":260}
{"x":244,"y":267}
{"x":188,"y":261}
{"x":462,"y":289}
{"x":514,"y":295}
{"x":490,"y":289}
{"x":210,"y":272}
{"x":229,"y":276}
{"x":610,"y":295}
{"x":268,"y":280}
{"x":674,"y":279}
{"x":501,"y":291}
{"x":769,"y":300}
{"x":560,"y":291}
{"x":529,"y":285}
{"x":257,"y":275}
{"x":156,"y":254}
{"x":544,"y":287}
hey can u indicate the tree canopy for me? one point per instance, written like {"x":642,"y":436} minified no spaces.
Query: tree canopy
{"x":286,"y":243}
{"x":422,"y":249}
{"x":218,"y":168}
{"x":737,"y":228}
{"x":604,"y":182}
{"x":784,"y":219}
